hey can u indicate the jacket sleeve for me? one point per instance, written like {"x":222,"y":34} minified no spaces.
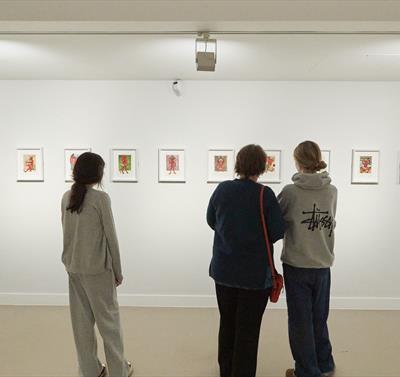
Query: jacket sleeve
{"x":273,"y":216}
{"x":111,"y":235}
{"x":62,"y":210}
{"x":283,"y":202}
{"x":335,"y":208}
{"x":211,"y":216}
{"x":63,"y":207}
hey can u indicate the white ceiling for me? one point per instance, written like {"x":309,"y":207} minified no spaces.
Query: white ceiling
{"x":199,"y":10}
{"x":251,"y":57}
{"x":240,"y":57}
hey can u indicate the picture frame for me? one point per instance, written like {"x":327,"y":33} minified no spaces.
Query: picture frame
{"x":221,"y":165}
{"x":30,"y":165}
{"x":326,"y":157}
{"x":365,"y":166}
{"x":124,"y":165}
{"x":273,"y":167}
{"x":171,"y":165}
{"x":70,"y":157}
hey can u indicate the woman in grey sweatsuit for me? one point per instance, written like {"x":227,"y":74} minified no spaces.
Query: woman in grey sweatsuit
{"x":309,"y":208}
{"x":91,"y":258}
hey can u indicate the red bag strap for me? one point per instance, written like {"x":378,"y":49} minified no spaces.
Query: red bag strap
{"x":270,"y":258}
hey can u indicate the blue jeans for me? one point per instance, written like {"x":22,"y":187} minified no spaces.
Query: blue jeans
{"x":307,"y":295}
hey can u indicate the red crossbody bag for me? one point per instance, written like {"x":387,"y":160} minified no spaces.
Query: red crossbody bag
{"x":277,"y":279}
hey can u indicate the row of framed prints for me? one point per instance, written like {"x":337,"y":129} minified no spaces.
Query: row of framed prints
{"x":124,"y":165}
{"x":221,"y":165}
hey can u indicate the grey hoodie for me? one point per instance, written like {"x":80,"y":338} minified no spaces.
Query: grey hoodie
{"x":309,"y":209}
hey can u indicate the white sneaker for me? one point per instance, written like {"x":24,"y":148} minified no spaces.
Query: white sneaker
{"x":130,"y":369}
{"x":103,"y":372}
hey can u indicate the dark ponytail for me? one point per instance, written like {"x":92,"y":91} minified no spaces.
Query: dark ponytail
{"x":88,"y":170}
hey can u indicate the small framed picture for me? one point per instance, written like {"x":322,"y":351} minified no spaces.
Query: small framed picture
{"x":365,"y":167}
{"x":124,"y":165}
{"x":326,"y":157}
{"x":171,"y":165}
{"x":30,"y":165}
{"x":70,"y":157}
{"x":221,"y":165}
{"x":272,"y":167}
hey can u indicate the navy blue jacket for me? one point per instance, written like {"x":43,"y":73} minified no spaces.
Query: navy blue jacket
{"x":239,"y":254}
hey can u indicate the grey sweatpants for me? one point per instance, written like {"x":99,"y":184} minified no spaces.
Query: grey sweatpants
{"x":93,"y":299}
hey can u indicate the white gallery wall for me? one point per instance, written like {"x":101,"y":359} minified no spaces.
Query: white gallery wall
{"x":165,"y":242}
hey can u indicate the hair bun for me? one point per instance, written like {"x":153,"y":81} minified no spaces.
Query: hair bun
{"x":321,"y":165}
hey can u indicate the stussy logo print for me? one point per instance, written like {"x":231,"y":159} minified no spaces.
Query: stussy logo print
{"x":318,"y":219}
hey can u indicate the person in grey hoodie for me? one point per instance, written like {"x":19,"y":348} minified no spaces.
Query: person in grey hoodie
{"x":92,"y":260}
{"x":309,"y":208}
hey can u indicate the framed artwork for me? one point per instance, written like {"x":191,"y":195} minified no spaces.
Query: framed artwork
{"x":124,"y":165}
{"x":171,"y":165}
{"x":273,"y":167}
{"x":70,"y":157}
{"x":326,"y":156}
{"x":365,"y":167}
{"x":221,"y":165}
{"x":30,"y":165}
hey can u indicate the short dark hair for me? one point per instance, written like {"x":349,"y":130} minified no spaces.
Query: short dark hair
{"x":250,"y":161}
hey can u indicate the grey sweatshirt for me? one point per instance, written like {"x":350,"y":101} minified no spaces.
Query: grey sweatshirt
{"x":90,"y":240}
{"x":309,"y":210}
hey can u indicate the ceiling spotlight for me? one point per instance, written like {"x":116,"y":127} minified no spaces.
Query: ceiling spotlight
{"x":206,"y":52}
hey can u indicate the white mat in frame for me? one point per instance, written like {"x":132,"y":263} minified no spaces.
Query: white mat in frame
{"x":124,"y":164}
{"x":221,"y":164}
{"x":171,"y":165}
{"x":273,"y":172}
{"x":365,"y":166}
{"x":326,"y":157}
{"x":30,"y":164}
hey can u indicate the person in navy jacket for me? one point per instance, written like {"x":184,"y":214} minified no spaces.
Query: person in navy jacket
{"x":239,"y":265}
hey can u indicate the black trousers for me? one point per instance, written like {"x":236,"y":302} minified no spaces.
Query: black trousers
{"x":241,"y":312}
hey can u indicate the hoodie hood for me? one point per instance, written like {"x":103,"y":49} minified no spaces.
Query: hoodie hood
{"x":315,"y":181}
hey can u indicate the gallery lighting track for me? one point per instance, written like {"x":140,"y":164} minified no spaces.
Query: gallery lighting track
{"x":192,"y":32}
